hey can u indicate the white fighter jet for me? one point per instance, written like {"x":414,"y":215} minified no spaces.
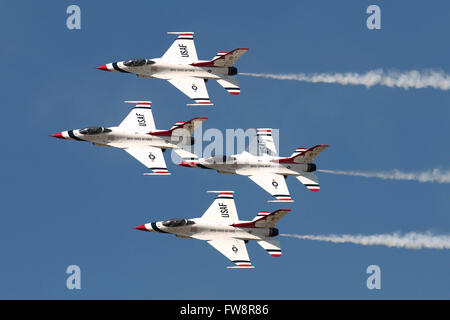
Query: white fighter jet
{"x":138,"y":136}
{"x":181,"y":67}
{"x":266,"y":169}
{"x":222,"y":229}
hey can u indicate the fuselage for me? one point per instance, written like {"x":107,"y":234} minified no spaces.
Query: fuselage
{"x":117,"y":138}
{"x":248,"y":164}
{"x":155,"y":68}
{"x":202,"y":230}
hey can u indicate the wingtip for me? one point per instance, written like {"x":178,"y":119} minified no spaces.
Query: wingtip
{"x":250,"y":266}
{"x":199,"y":104}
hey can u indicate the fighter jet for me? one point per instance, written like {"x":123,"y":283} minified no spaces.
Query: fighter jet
{"x":222,"y":229}
{"x":181,"y":67}
{"x":266,"y":169}
{"x":138,"y":136}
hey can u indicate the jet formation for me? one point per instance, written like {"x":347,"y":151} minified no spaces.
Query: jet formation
{"x":137,"y":135}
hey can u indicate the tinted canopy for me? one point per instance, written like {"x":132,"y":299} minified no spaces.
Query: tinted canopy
{"x":177,"y":222}
{"x":137,"y":62}
{"x":94,"y":130}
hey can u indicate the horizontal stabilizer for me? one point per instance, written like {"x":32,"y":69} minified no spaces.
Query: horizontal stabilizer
{"x":231,"y":84}
{"x":185,"y":155}
{"x":310,"y":181}
{"x":272,"y":246}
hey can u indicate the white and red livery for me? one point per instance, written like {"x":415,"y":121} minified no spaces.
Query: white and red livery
{"x":182,"y":68}
{"x":266,"y":169}
{"x":221,"y":228}
{"x":137,"y":135}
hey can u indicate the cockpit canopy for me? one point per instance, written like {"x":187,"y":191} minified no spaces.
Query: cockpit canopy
{"x":94,"y":130}
{"x":177,"y":222}
{"x":220,"y":159}
{"x":138,"y":62}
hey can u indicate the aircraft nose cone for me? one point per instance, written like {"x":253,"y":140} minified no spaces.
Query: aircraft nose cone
{"x":103,"y":67}
{"x":141,"y":227}
{"x":58,"y":135}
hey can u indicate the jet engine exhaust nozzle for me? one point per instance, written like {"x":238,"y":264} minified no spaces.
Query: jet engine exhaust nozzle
{"x":273,"y":232}
{"x":232,"y":71}
{"x":311,"y":167}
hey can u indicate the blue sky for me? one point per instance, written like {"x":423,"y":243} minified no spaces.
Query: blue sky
{"x":69,"y":203}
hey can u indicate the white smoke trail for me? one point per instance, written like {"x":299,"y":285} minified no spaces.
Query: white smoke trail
{"x":434,"y":175}
{"x":411,"y":240}
{"x":400,"y":79}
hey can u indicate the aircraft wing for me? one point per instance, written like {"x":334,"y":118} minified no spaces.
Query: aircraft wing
{"x":194,"y":88}
{"x":222,"y":210}
{"x":182,"y":50}
{"x":274,"y":184}
{"x":151,"y":157}
{"x":233,"y":249}
{"x":140,"y":118}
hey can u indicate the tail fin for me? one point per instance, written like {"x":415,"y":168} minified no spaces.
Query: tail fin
{"x":264,"y":219}
{"x":219,"y":54}
{"x":225,"y":60}
{"x":298,"y":151}
{"x":305,"y":156}
{"x":181,"y":128}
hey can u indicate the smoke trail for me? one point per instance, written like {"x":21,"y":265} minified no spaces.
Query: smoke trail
{"x":400,"y":79}
{"x":411,"y":240}
{"x":435,"y":175}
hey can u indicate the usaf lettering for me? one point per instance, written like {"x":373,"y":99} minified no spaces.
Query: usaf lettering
{"x":183,"y":51}
{"x":141,"y":120}
{"x":223,"y":210}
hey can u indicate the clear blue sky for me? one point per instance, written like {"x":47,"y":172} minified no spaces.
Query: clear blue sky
{"x":69,"y":203}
